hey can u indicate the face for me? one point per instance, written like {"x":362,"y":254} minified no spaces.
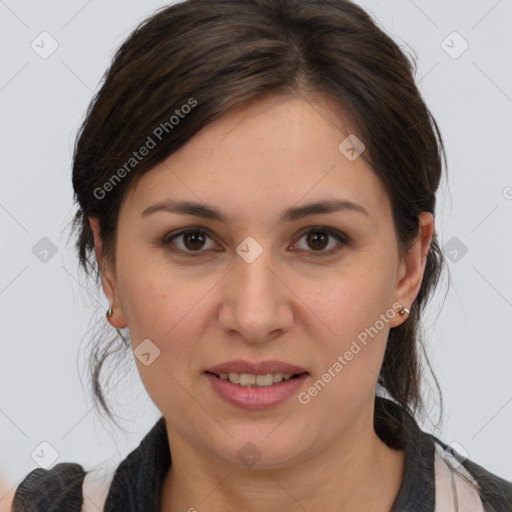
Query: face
{"x":315,"y":290}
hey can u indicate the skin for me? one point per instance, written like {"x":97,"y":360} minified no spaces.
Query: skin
{"x":289,"y":304}
{"x":7,"y":491}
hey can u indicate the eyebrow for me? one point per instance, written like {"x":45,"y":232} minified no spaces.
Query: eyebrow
{"x":289,"y":215}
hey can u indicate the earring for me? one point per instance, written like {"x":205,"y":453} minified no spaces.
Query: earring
{"x":404,"y":311}
{"x":110,"y":313}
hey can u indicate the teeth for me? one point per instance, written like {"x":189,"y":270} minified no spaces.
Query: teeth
{"x":265,"y":380}
{"x":277,"y":377}
{"x":234,"y":378}
{"x":248,"y":380}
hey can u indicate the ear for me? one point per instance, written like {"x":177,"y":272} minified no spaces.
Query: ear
{"x":412,"y":267}
{"x":107,"y":277}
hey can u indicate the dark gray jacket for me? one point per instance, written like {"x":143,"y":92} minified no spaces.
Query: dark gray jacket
{"x":428,"y":484}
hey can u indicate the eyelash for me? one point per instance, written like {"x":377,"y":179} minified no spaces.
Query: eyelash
{"x":342,"y":238}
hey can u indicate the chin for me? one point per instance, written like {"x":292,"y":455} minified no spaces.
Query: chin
{"x":257,"y":449}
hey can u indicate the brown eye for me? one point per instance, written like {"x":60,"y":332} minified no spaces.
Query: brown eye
{"x":318,"y":239}
{"x":191,"y":240}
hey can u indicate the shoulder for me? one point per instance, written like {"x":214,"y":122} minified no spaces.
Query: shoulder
{"x":495,"y":492}
{"x":66,"y":487}
{"x":58,"y":488}
{"x":435,"y":472}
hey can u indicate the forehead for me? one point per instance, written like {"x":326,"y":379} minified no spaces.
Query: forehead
{"x":279,"y":150}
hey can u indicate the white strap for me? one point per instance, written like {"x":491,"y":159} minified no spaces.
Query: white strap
{"x":95,"y":489}
{"x":453,"y":492}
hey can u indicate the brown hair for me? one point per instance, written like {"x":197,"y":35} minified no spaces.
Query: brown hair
{"x":221,"y":54}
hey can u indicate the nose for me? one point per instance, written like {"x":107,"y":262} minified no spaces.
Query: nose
{"x":256,"y":303}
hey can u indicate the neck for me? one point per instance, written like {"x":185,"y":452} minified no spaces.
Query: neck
{"x":359,"y":472}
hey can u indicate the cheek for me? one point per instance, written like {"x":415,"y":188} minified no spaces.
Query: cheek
{"x":164,"y":311}
{"x":354,"y":315}
{"x":167,"y":307}
{"x":350,"y":301}
{"x":349,"y":354}
{"x":155,"y":298}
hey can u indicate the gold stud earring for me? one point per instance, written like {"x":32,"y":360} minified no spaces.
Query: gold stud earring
{"x":110,"y":312}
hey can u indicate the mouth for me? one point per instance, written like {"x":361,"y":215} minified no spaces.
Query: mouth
{"x":256,"y":386}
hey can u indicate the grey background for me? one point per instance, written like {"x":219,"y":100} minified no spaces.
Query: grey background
{"x":47,"y":308}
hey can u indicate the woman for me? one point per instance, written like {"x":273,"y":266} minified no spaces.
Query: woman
{"x":256,"y":184}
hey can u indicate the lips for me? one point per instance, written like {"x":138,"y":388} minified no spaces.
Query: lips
{"x":247,"y":385}
{"x":255,"y":398}
{"x":261,"y":368}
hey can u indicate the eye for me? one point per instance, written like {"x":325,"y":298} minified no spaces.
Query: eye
{"x":318,"y":239}
{"x":192,"y":241}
